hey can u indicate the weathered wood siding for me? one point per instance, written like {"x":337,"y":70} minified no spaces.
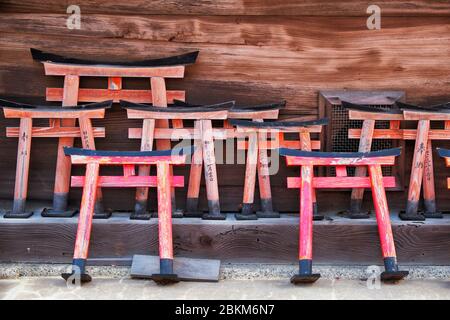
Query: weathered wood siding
{"x":251,"y":51}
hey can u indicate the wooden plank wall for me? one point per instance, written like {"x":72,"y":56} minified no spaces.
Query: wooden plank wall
{"x":251,"y":51}
{"x":341,"y":241}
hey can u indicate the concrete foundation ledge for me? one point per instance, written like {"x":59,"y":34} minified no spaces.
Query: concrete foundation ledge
{"x":231,"y":271}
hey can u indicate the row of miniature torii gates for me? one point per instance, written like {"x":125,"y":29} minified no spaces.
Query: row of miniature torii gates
{"x":161,"y":124}
{"x":260,"y":136}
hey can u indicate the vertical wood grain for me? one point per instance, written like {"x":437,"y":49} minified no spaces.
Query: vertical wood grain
{"x":428,"y":180}
{"x":250,"y":169}
{"x":418,"y":164}
{"x":87,"y":141}
{"x":195,"y":173}
{"x":265,"y":192}
{"x":305,"y":145}
{"x":63,"y":165}
{"x":148,"y":131}
{"x":306,"y":213}
{"x":115,"y":83}
{"x":23,"y":165}
{"x":86,"y":211}
{"x":129,"y":170}
{"x":164,"y":211}
{"x":365,"y":143}
{"x":159,"y":98}
{"x":209,"y":158}
{"x":381,"y":211}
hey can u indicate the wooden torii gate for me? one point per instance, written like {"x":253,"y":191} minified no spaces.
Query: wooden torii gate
{"x":259,"y":139}
{"x":72,"y":69}
{"x":307,"y":183}
{"x":203,"y":135}
{"x":257,"y":113}
{"x":164,"y":181}
{"x":26,"y":132}
{"x":422,"y":165}
{"x":422,"y":170}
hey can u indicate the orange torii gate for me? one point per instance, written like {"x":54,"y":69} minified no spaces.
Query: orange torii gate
{"x":258,"y":140}
{"x":422,"y":170}
{"x":26,"y":132}
{"x":257,"y":113}
{"x":203,"y":135}
{"x":72,"y":69}
{"x":445,"y":153}
{"x":92,"y":181}
{"x":422,"y":167}
{"x":307,"y":183}
{"x":369,"y":115}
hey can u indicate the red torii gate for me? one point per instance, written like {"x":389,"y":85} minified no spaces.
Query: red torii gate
{"x":258,"y":140}
{"x":422,"y":165}
{"x":307,"y":183}
{"x":26,"y":132}
{"x":256,"y":113}
{"x":203,"y":135}
{"x":72,"y":69}
{"x":164,"y":181}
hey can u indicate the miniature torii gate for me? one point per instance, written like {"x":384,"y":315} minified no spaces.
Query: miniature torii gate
{"x":445,"y":153}
{"x":26,"y":113}
{"x":164,"y":181}
{"x":307,"y":183}
{"x":258,"y":113}
{"x":72,"y":69}
{"x":369,"y":115}
{"x":258,"y":142}
{"x":422,"y":166}
{"x":203,"y":135}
